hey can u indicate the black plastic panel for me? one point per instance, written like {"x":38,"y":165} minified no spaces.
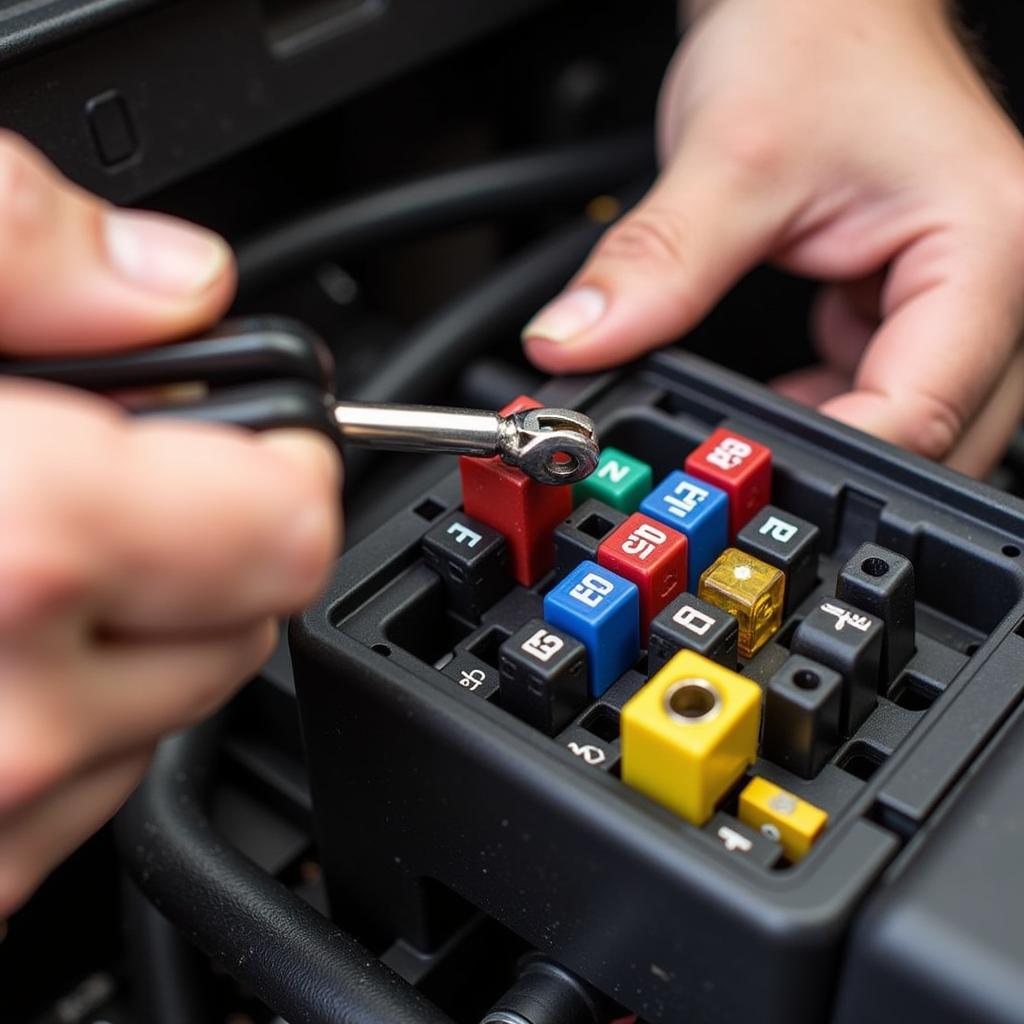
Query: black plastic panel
{"x":422,"y":788}
{"x":181,"y":84}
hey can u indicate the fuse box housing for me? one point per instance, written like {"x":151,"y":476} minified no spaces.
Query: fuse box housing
{"x":432,"y":801}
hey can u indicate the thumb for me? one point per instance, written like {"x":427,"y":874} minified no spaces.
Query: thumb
{"x":76,"y":273}
{"x":660,"y":269}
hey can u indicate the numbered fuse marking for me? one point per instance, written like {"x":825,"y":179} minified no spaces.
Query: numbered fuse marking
{"x":740,"y":467}
{"x":472,"y":676}
{"x":543,"y":676}
{"x":651,"y":555}
{"x":472,"y":561}
{"x":688,"y":623}
{"x":788,"y":543}
{"x":698,"y":511}
{"x":602,"y":610}
{"x":590,"y":750}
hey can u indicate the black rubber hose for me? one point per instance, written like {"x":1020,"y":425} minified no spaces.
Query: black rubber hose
{"x":546,"y":993}
{"x":432,"y":354}
{"x":170,"y":977}
{"x":444,"y":200}
{"x":295,"y":960}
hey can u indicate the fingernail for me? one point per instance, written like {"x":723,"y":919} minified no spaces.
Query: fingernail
{"x":566,"y":318}
{"x":163,"y":254}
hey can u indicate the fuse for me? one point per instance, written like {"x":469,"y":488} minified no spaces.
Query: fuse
{"x":524,"y":511}
{"x":782,"y":816}
{"x":602,"y":610}
{"x":543,"y":676}
{"x":620,"y":481}
{"x":697,"y":510}
{"x":694,"y":625}
{"x":689,"y":734}
{"x":882,"y":582}
{"x":787,"y":542}
{"x":803,"y":706}
{"x":651,"y":555}
{"x":740,"y":467}
{"x":843,"y":638}
{"x":750,"y":590}
{"x":580,"y":534}
{"x":471,"y":560}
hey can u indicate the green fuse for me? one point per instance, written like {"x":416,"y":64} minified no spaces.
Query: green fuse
{"x":619,"y":480}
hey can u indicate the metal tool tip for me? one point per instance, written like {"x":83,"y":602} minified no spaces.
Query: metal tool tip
{"x":554,"y":446}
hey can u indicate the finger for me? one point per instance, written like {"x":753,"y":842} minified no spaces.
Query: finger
{"x":843,"y":322}
{"x":76,"y":273}
{"x":38,"y":838}
{"x":232,"y":527}
{"x":812,"y":385}
{"x":174,"y":527}
{"x":952,"y":319}
{"x":61,"y":715}
{"x":658,"y":271}
{"x":988,"y":436}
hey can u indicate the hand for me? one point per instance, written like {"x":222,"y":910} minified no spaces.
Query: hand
{"x":850,"y":142}
{"x":142,"y":564}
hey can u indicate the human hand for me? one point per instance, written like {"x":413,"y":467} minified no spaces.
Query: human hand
{"x":142,"y":563}
{"x":852,"y":143}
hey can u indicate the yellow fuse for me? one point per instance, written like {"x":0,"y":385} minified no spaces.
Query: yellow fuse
{"x":689,"y":734}
{"x":750,"y":590}
{"x":779,"y":815}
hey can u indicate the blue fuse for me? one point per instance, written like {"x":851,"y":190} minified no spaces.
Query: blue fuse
{"x":696,"y":509}
{"x":602,"y":610}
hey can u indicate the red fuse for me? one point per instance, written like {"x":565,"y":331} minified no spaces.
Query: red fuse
{"x":652,"y":556}
{"x":509,"y":501}
{"x":740,"y":467}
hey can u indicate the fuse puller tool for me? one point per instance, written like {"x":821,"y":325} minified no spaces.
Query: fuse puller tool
{"x":269,"y":372}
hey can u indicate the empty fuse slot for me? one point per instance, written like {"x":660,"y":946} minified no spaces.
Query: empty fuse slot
{"x":912,"y":693}
{"x":861,"y":760}
{"x":602,"y":721}
{"x":410,"y":613}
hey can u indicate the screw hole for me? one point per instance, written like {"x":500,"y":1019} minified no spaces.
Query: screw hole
{"x":1011,"y":550}
{"x":806,"y":679}
{"x":381,"y":649}
{"x":693,"y":701}
{"x":875,"y":566}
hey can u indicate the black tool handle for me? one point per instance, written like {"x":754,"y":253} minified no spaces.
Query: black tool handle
{"x":238,"y":351}
{"x":265,"y":406}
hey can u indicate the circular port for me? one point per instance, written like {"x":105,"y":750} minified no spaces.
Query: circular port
{"x":693,"y":701}
{"x":875,"y":566}
{"x":806,"y":679}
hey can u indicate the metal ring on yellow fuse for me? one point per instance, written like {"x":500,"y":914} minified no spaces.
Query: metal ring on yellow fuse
{"x":700,"y":691}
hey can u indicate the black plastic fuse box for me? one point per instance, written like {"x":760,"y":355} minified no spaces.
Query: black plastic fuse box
{"x":431,"y":799}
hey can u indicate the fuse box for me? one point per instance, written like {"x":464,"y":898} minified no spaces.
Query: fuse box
{"x":674,"y":728}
